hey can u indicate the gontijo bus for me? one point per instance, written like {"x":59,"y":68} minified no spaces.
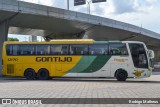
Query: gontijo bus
{"x":77,"y":58}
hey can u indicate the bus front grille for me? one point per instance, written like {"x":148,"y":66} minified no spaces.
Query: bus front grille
{"x":10,"y":69}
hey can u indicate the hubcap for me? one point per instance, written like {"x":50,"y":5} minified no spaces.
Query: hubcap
{"x":30,"y":74}
{"x":42,"y":74}
{"x":121,"y":75}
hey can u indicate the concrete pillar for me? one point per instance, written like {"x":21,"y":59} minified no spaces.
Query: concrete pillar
{"x":4,"y":26}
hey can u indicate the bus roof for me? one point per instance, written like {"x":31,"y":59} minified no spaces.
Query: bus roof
{"x":57,"y":41}
{"x":72,"y":41}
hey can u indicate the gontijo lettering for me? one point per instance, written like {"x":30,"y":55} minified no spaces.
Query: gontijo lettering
{"x":53,"y":59}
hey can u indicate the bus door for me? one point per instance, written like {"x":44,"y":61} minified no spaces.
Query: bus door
{"x":139,"y":58}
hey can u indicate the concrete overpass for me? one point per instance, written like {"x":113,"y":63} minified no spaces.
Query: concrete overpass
{"x":17,"y":17}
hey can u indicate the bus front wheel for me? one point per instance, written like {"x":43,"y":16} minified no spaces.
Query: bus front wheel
{"x":43,"y":74}
{"x":30,"y":74}
{"x":121,"y":75}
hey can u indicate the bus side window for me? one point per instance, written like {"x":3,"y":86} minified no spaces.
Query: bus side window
{"x":71,"y":52}
{"x":9,"y":49}
{"x":42,"y":52}
{"x":79,"y":49}
{"x":59,"y":49}
{"x":64,"y":50}
{"x":92,"y":52}
{"x":27,"y":50}
{"x":118,"y":49}
{"x":115,"y":51}
{"x":56,"y":49}
{"x":98,"y":49}
{"x":43,"y":49}
{"x":15,"y":49}
{"x":82,"y":52}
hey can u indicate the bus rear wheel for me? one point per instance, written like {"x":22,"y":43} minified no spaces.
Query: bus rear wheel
{"x":30,"y":74}
{"x":43,"y":74}
{"x":121,"y":75}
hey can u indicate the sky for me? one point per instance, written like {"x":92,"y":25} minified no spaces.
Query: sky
{"x":143,"y":13}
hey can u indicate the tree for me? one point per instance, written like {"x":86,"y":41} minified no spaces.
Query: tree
{"x":13,"y":39}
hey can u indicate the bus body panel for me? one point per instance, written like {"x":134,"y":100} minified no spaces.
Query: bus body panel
{"x":74,"y":65}
{"x":117,"y":62}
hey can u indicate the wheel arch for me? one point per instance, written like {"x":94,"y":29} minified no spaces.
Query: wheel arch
{"x":40,"y":72}
{"x":27,"y":70}
{"x":120,"y":69}
{"x":43,"y":69}
{"x":29,"y":74}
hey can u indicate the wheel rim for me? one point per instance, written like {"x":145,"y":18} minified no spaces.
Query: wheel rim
{"x":30,"y":74}
{"x":42,"y":74}
{"x":121,"y":75}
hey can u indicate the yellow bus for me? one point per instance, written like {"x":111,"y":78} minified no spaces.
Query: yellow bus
{"x":77,"y":58}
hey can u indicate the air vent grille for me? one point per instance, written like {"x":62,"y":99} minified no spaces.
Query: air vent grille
{"x":10,"y":69}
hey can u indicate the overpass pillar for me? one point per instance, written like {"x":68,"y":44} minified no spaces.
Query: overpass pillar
{"x":4,"y":26}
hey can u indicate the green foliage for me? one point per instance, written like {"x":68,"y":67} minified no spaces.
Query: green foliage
{"x":13,"y":39}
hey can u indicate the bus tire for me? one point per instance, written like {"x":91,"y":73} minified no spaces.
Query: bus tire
{"x":121,"y":75}
{"x":30,"y":74}
{"x":43,"y":74}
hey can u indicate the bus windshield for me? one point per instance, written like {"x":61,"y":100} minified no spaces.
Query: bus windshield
{"x":139,"y":55}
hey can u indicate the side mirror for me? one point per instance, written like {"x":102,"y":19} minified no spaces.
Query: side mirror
{"x":151,"y":54}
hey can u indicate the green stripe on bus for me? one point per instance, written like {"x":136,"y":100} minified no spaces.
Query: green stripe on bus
{"x":83,"y":64}
{"x":89,"y":64}
{"x":97,"y":64}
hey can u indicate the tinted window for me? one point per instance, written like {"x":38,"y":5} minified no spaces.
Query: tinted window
{"x":43,"y":49}
{"x":79,"y":49}
{"x":118,"y":49}
{"x":59,"y":49}
{"x":15,"y":50}
{"x":27,"y":50}
{"x":9,"y":50}
{"x":12,"y":49}
{"x":98,"y":49}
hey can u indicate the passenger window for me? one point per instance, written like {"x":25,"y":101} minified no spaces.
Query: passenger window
{"x":9,"y":50}
{"x":98,"y":49}
{"x":43,"y":49}
{"x":79,"y":49}
{"x":27,"y":50}
{"x":59,"y":49}
{"x":118,"y":49}
{"x":15,"y":50}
